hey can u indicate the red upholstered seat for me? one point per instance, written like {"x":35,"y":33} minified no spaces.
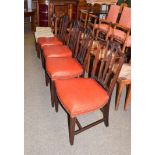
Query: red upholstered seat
{"x":79,"y":95}
{"x":56,"y":51}
{"x":63,"y":68}
{"x":42,"y":41}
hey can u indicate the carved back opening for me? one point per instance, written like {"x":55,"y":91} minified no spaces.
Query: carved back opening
{"x":107,"y":69}
{"x":64,"y":21}
{"x":85,"y":45}
{"x":73,"y":37}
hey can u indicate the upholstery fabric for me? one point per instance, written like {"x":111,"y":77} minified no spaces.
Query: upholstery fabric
{"x":79,"y":95}
{"x":113,"y":13}
{"x":43,"y":34}
{"x":125,"y":71}
{"x":63,"y":68}
{"x":117,"y":34}
{"x":125,"y":19}
{"x":56,"y":51}
{"x":43,"y":29}
{"x":111,"y":17}
{"x":49,"y":41}
{"x":104,"y":27}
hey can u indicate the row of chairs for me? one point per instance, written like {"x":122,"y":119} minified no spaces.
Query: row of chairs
{"x":64,"y":60}
{"x":116,"y":25}
{"x":125,"y":75}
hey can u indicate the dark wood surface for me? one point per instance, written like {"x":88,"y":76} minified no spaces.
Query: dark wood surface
{"x":60,"y":7}
{"x":30,"y":13}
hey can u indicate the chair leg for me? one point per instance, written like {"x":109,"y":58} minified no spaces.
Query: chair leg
{"x":38,"y":51}
{"x":119,"y":89}
{"x":51,"y":90}
{"x":55,"y":98}
{"x":47,"y":79}
{"x":105,"y":111}
{"x":56,"y":102}
{"x":42,"y":59}
{"x":71,"y":129}
{"x":128,"y":97}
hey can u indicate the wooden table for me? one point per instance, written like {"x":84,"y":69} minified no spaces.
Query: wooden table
{"x":30,"y":13}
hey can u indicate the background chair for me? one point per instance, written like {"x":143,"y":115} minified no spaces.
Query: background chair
{"x":121,"y":30}
{"x":105,"y":25}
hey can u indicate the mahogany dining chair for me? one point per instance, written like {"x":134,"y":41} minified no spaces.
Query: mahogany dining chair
{"x":105,"y":25}
{"x":80,"y":96}
{"x":121,"y":30}
{"x":57,"y":40}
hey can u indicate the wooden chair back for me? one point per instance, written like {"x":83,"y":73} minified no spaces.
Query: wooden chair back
{"x":106,"y":70}
{"x":63,"y":25}
{"x":74,"y":36}
{"x":91,"y":22}
{"x":125,"y":19}
{"x":84,"y":46}
{"x":113,"y":13}
{"x":83,"y":18}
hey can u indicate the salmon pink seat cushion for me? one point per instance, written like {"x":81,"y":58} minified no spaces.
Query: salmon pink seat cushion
{"x":63,"y":68}
{"x":56,"y":51}
{"x":42,"y":41}
{"x":80,"y":95}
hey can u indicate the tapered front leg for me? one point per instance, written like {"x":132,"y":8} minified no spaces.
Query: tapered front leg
{"x":42,"y":59}
{"x":51,"y":90}
{"x":47,"y":79}
{"x":56,"y":102}
{"x":71,"y":129}
{"x":105,"y":111}
{"x":38,"y":50}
